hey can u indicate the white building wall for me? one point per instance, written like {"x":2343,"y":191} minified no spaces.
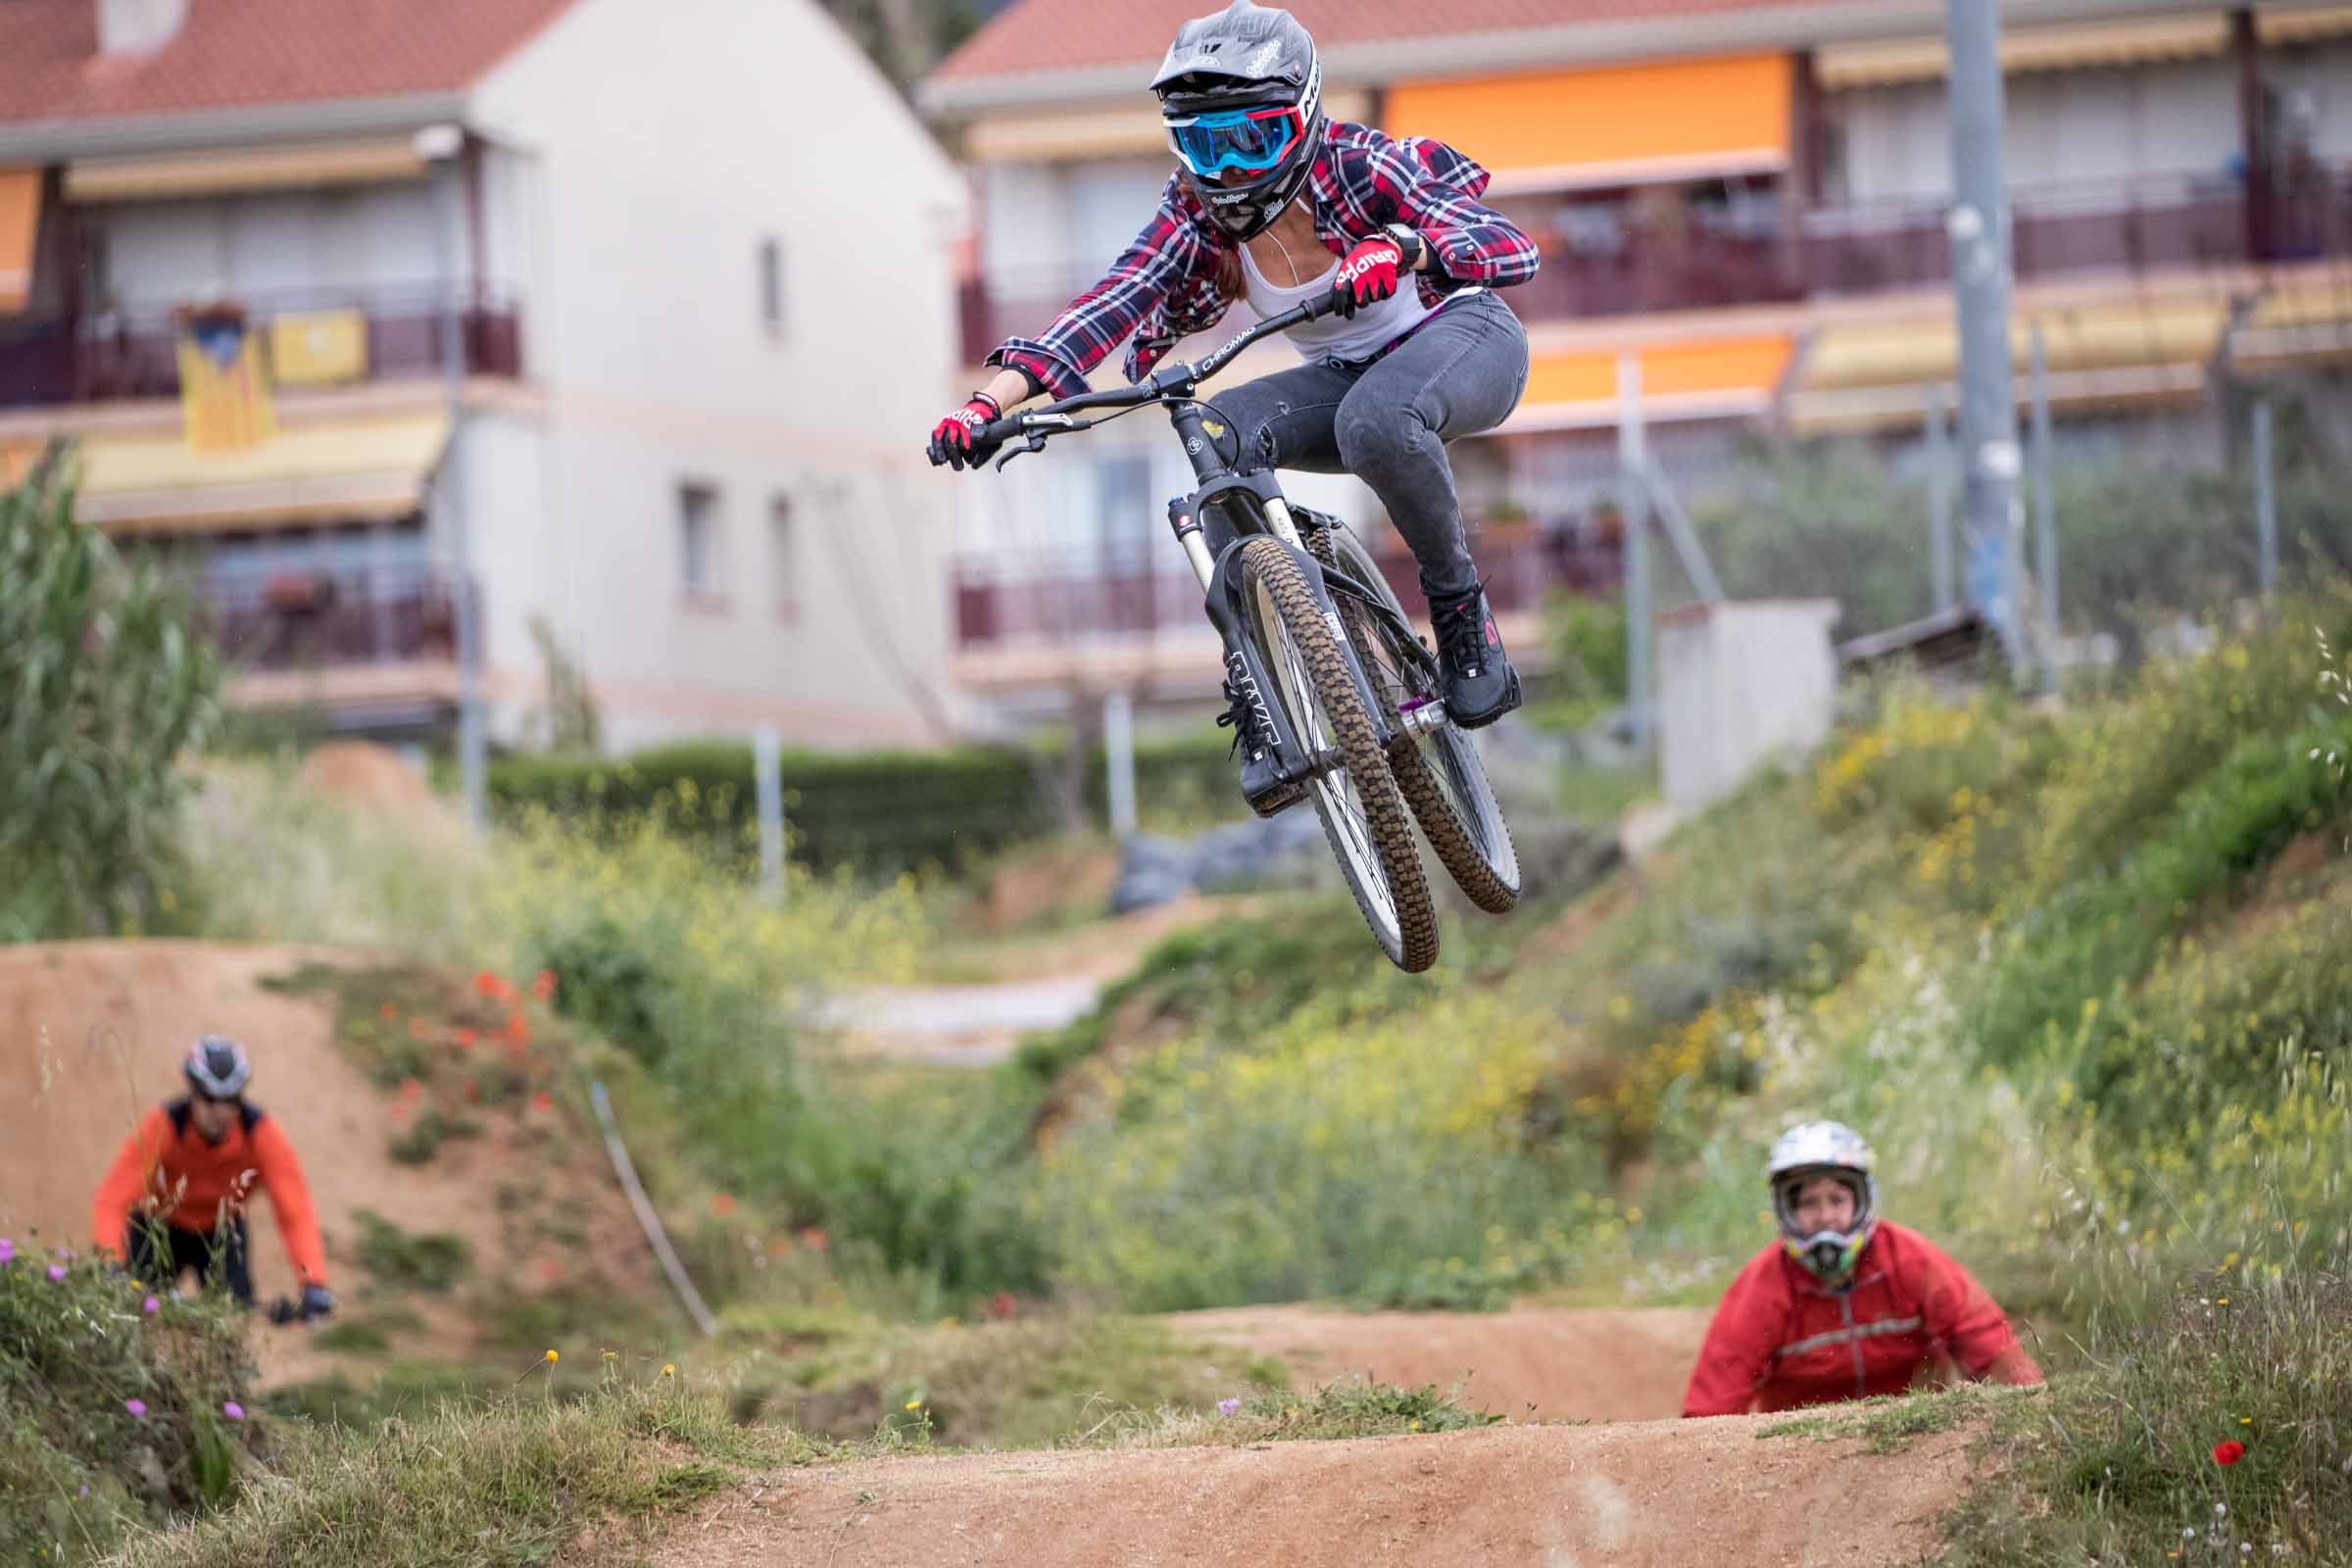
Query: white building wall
{"x":1740,"y":683}
{"x":2322,"y":74}
{"x":667,"y":148}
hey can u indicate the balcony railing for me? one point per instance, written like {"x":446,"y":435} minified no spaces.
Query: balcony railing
{"x":1002,"y":600}
{"x":316,"y":619}
{"x":2149,"y":225}
{"x":136,"y":354}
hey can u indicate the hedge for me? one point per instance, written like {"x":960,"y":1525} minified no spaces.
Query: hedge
{"x":875,"y":810}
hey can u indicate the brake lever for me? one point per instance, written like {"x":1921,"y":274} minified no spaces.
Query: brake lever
{"x":1034,"y":443}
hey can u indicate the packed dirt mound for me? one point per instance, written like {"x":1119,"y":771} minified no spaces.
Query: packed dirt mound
{"x":92,"y":1034}
{"x":1666,"y":1495}
{"x":366,"y":774}
{"x":1551,"y":1363}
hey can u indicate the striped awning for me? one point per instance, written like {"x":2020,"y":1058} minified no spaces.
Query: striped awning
{"x":245,"y":169}
{"x":2302,"y":25}
{"x":1874,"y":374}
{"x":2070,"y":47}
{"x":347,"y":471}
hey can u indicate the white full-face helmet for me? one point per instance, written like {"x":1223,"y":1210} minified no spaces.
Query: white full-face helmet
{"x":1823,"y":1148}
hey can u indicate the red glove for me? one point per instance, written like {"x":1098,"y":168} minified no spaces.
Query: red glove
{"x":1368,"y":275}
{"x":952,"y":437}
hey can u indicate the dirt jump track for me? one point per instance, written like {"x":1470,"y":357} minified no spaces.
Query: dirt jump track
{"x":1650,"y":1495}
{"x":92,"y":1034}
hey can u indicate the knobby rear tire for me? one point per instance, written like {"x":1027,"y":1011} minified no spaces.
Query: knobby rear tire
{"x":1363,"y":816}
{"x":1439,"y":774}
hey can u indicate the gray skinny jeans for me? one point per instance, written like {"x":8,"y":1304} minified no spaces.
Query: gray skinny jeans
{"x":1386,"y":422}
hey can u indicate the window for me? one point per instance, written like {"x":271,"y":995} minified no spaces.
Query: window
{"x":697,"y":539}
{"x":772,"y":285}
{"x":784,"y":572}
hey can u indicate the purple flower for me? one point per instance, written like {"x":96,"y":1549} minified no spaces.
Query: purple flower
{"x":85,"y":1488}
{"x":8,"y":1249}
{"x":57,"y":1271}
{"x":150,"y":1305}
{"x":233,"y":1409}
{"x":137,"y":1407}
{"x":1229,"y":1407}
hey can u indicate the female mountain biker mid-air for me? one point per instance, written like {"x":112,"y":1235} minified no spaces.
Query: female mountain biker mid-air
{"x":1273,"y":204}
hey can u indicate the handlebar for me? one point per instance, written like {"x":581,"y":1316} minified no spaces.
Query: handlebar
{"x":1169,"y":380}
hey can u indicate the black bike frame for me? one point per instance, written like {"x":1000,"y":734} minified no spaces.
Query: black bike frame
{"x":1252,"y":504}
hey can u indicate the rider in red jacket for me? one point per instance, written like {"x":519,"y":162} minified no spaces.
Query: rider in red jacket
{"x":1845,"y":1306}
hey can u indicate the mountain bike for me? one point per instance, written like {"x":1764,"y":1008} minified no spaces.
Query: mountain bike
{"x":1356,"y":722}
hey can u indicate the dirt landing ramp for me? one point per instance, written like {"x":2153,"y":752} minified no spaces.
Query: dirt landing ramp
{"x":1653,"y":1494}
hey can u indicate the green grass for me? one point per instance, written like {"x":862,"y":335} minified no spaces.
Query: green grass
{"x":431,"y":1261}
{"x":497,"y":1483}
{"x":2118,"y":1464}
{"x":1349,"y":1408}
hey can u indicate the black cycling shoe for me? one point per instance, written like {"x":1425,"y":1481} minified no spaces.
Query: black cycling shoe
{"x":1480,"y":686}
{"x":1264,"y":791}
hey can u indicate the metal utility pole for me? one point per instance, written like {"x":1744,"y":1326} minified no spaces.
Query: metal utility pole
{"x":1978,"y":225}
{"x":768,"y":786}
{"x":1939,"y":501}
{"x":2266,"y":502}
{"x":1633,"y":470}
{"x":1118,"y":758}
{"x":441,"y":145}
{"x":2045,"y":517}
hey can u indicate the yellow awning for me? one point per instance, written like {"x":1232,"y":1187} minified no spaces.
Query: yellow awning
{"x":2069,"y":47}
{"x":357,"y":470}
{"x":1612,"y":124}
{"x":19,"y":226}
{"x":1705,"y":379}
{"x":1878,"y":374}
{"x":2308,"y":25}
{"x":310,"y":163}
{"x":2300,"y":321}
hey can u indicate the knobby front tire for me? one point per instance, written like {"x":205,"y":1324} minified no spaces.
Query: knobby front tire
{"x":1362,"y":813}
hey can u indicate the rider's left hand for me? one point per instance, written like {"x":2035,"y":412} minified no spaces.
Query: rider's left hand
{"x":1368,"y":275}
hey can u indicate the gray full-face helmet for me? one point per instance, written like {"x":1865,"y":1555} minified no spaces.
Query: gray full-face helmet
{"x":1242,"y":95}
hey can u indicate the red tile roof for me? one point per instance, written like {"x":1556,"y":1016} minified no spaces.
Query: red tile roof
{"x":1072,"y":34}
{"x":239,"y":53}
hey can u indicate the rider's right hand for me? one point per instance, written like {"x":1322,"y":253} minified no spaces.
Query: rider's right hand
{"x":952,"y":438}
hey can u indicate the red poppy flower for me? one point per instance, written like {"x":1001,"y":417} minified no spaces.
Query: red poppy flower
{"x":2229,"y":1453}
{"x":723,"y":1204}
{"x":466,"y":1038}
{"x":486,"y":984}
{"x":544,"y":986}
{"x":518,"y":1030}
{"x":410,"y":1089}
{"x":388,"y":1012}
{"x":541,"y":1102}
{"x":813,"y":1236}
{"x":417,"y":1029}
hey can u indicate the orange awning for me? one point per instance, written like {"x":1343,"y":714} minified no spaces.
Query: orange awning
{"x":1610,"y":125}
{"x":1698,"y":379}
{"x":19,"y":224}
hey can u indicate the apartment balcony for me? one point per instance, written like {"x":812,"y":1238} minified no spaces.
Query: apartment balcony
{"x":136,"y":354}
{"x":298,"y":621}
{"x":2058,"y":229}
{"x":1001,"y":602}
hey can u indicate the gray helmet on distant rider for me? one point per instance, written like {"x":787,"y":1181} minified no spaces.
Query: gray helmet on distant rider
{"x":1823,"y":1148}
{"x":216,"y":1069}
{"x":1242,"y":91}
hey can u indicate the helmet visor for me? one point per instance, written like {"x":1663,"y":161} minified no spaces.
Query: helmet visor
{"x":1251,"y":140}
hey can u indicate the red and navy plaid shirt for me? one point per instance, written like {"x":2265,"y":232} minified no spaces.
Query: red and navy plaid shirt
{"x":1163,"y":287}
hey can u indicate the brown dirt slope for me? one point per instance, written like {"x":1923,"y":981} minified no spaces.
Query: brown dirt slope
{"x":92,"y":1034}
{"x":1554,"y":1363}
{"x":1651,"y":1494}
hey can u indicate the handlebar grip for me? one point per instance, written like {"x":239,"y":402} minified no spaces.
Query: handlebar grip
{"x":997,"y":431}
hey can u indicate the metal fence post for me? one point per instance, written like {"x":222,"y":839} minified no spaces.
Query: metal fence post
{"x":767,"y":770}
{"x":1941,"y":577}
{"x":1633,"y":465}
{"x":2045,"y":516}
{"x":2266,"y":502}
{"x":1119,"y":756}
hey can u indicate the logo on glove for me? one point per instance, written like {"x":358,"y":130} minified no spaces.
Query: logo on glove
{"x":1369,"y":258}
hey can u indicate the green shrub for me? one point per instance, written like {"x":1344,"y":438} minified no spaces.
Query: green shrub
{"x":106,"y":677}
{"x":429,"y":1260}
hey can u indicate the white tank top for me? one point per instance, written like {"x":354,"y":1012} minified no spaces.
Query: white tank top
{"x":1373,"y":328}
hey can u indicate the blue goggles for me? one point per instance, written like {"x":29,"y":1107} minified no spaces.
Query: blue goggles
{"x":1248,"y":139}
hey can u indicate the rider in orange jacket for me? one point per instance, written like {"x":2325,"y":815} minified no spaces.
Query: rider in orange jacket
{"x":1845,"y":1306}
{"x":175,"y":1195}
